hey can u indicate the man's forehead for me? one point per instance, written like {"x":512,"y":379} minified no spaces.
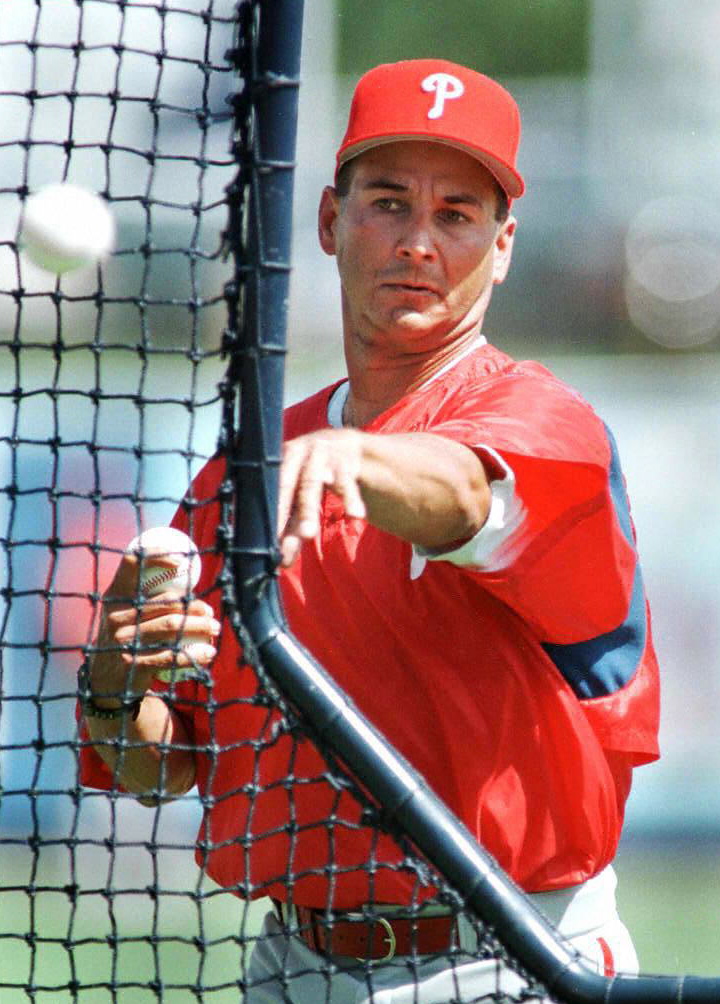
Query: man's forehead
{"x":403,"y":163}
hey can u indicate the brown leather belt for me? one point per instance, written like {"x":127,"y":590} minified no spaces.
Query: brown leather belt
{"x":373,"y":935}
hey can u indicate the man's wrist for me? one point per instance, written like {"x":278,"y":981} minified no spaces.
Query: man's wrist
{"x":90,"y":707}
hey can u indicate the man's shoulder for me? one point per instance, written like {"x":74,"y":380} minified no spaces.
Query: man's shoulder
{"x":490,"y":382}
{"x":489,"y":365}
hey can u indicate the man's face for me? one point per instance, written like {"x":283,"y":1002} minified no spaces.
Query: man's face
{"x":417,"y":243}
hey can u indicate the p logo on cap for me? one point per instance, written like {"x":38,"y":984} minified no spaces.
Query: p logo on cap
{"x":446,"y":87}
{"x":434,"y":99}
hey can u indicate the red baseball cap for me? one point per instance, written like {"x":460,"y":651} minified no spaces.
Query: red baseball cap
{"x":433,"y":99}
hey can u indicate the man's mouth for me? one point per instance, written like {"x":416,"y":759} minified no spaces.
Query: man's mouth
{"x":413,"y":287}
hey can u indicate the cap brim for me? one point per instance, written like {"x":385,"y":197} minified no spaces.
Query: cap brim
{"x":508,"y":179}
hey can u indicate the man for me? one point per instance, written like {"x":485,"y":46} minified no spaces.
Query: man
{"x":457,"y":551}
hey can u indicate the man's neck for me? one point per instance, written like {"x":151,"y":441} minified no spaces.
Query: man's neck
{"x":376,"y":385}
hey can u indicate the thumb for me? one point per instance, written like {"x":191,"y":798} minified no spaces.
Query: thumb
{"x":125,"y":583}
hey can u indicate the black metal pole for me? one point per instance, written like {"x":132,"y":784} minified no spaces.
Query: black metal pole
{"x":274,"y":85}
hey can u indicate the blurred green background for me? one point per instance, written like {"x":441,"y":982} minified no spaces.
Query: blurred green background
{"x":513,"y":39}
{"x":615,"y":285}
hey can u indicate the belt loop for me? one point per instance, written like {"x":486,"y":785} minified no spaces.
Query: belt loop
{"x":467,"y":938}
{"x":317,"y":932}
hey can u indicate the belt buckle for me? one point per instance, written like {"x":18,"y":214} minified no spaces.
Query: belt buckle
{"x":390,"y":940}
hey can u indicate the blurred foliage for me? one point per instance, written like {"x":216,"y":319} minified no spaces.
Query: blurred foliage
{"x":503,"y":38}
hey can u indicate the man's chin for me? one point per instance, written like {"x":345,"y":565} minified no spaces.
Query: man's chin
{"x":411,"y":319}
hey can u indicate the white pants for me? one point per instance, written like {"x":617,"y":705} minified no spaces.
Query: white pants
{"x":283,"y":970}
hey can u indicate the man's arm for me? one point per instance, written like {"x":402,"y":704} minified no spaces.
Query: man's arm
{"x":138,"y":762}
{"x":143,"y":753}
{"x":428,"y":490}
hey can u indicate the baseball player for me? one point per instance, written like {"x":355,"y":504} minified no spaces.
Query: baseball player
{"x":457,"y":551}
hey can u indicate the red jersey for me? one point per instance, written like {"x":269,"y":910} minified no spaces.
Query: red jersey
{"x":523,"y":687}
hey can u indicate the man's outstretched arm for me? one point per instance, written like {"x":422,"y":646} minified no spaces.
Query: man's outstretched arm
{"x":423,"y":488}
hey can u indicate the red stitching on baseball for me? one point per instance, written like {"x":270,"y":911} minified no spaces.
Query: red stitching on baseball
{"x":158,"y":578}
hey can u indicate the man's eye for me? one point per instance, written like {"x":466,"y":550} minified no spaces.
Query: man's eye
{"x":388,"y":204}
{"x":453,"y":216}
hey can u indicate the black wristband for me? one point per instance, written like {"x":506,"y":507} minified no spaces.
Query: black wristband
{"x":91,"y":710}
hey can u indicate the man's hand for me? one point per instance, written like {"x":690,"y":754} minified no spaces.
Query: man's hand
{"x":135,"y":641}
{"x":428,"y":490}
{"x":331,"y":459}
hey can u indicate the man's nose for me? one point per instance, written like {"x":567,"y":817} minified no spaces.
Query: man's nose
{"x":416,"y":244}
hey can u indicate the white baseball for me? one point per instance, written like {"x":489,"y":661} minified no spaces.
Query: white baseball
{"x":181,"y":577}
{"x":65,"y":227}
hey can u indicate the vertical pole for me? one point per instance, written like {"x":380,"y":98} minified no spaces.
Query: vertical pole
{"x":274,"y":84}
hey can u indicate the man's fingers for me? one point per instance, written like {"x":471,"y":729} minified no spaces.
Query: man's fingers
{"x":289,"y":471}
{"x":124,"y":585}
{"x":316,"y":475}
{"x":166,"y":627}
{"x":312,"y":464}
{"x":184,"y":652}
{"x":119,"y":615}
{"x":302,"y":483}
{"x":289,"y":549}
{"x":157,"y":633}
{"x":303,"y":477}
{"x":345,"y":485}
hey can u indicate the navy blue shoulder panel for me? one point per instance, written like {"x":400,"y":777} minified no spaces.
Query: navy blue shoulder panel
{"x":602,"y":665}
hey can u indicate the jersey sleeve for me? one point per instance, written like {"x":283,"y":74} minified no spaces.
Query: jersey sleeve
{"x":564,"y":557}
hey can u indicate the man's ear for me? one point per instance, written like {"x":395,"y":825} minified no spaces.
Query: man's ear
{"x":503,"y":249}
{"x":327,"y":218}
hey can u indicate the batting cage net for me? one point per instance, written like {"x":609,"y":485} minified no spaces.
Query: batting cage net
{"x":119,"y":381}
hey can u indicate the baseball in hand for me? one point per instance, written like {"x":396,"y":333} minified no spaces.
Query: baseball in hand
{"x":179,"y":573}
{"x":65,"y":227}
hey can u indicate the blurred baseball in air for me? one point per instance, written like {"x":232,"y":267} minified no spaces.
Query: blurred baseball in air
{"x":65,"y":227}
{"x":672,"y":278}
